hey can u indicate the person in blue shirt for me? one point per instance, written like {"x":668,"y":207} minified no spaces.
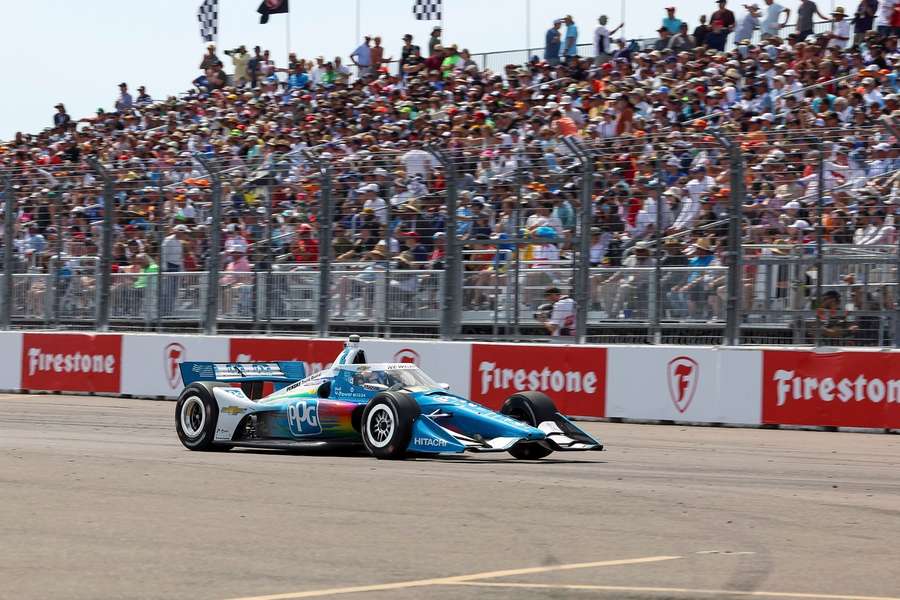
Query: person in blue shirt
{"x":553,"y":43}
{"x":571,"y":45}
{"x":299,"y":78}
{"x":362,"y":57}
{"x":671,"y":23}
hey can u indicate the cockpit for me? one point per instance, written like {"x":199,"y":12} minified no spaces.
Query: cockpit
{"x":390,"y":376}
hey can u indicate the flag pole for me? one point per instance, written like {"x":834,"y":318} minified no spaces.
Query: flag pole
{"x":358,"y":31}
{"x":528,"y":28}
{"x":622,"y":18}
{"x":287,"y":38}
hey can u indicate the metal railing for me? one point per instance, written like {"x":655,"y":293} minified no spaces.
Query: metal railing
{"x":497,"y":60}
{"x":335,"y":260}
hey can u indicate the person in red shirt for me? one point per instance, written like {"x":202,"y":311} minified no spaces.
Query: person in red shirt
{"x":306,"y":248}
{"x":437,"y":254}
{"x":434,"y":62}
{"x":723,"y":15}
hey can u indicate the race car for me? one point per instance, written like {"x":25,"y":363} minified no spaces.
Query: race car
{"x":393,"y":410}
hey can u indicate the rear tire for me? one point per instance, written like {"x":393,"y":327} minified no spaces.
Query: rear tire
{"x":196,"y":416}
{"x":532,"y":408}
{"x":387,"y":424}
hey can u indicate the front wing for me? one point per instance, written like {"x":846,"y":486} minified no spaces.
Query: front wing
{"x":558,"y":435}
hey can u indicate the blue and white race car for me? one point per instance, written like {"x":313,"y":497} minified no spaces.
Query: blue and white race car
{"x":393,"y":410}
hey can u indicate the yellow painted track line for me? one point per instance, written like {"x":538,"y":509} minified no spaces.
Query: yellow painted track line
{"x":458,"y":579}
{"x":668,"y":590}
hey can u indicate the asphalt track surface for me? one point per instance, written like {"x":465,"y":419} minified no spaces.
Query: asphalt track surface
{"x":98,"y":500}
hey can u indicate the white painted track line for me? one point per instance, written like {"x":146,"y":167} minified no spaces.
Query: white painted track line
{"x":668,"y":590}
{"x":458,"y":579}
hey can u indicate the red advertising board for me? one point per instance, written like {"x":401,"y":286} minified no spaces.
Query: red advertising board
{"x":574,"y":377}
{"x":315,"y":354}
{"x":841,"y":389}
{"x":71,"y":362}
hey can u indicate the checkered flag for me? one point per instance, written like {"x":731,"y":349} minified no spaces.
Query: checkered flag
{"x":427,"y":10}
{"x":208,"y":15}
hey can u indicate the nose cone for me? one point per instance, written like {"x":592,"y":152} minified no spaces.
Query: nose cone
{"x":470,"y":418}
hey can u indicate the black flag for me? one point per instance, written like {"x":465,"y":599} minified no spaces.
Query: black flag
{"x":271,"y":7}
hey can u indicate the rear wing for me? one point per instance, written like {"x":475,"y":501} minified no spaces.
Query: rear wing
{"x":279,"y":373}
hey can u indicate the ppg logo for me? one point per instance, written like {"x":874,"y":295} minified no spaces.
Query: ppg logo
{"x":303,"y":418}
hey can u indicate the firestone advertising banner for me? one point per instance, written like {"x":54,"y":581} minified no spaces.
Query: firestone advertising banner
{"x":573,"y":376}
{"x":702,"y":385}
{"x":71,"y":362}
{"x":315,"y":354}
{"x":841,"y":389}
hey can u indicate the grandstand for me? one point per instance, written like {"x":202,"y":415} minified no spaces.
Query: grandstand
{"x":691,"y":196}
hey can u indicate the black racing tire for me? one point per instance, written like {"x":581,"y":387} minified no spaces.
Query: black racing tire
{"x":196,"y":416}
{"x":532,"y":408}
{"x":387,"y":424}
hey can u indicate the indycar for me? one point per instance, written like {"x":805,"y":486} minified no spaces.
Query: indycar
{"x":393,"y":410}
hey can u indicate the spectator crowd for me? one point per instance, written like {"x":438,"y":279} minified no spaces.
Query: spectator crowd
{"x":809,"y":103}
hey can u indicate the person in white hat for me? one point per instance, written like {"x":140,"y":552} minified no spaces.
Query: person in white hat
{"x":839,"y":37}
{"x":369,"y":194}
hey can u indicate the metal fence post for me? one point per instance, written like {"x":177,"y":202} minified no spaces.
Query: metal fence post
{"x":160,"y":236}
{"x":103,"y":275}
{"x":659,"y":254}
{"x":215,"y":244}
{"x":891,"y":126}
{"x":583,"y":279}
{"x":52,"y":308}
{"x":268,"y":288}
{"x":820,"y":259}
{"x":8,"y":246}
{"x":450,"y":313}
{"x":517,"y":256}
{"x":734,"y":255}
{"x":325,"y":247}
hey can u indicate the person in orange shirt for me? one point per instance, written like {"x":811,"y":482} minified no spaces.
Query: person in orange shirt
{"x":624,"y":115}
{"x":562,"y":124}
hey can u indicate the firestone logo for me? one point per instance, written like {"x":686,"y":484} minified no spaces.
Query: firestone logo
{"x":791,"y":386}
{"x":70,"y":363}
{"x":683,"y":377}
{"x":543,"y":380}
{"x":173,"y":355}
{"x":408,"y":356}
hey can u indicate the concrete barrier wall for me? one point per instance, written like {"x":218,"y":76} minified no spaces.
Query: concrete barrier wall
{"x":741,"y":386}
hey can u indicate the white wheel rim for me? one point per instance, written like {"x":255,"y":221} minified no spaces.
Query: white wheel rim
{"x":380,"y":426}
{"x":193,"y":416}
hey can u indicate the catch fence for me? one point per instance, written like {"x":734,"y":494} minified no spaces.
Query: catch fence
{"x":684,"y":236}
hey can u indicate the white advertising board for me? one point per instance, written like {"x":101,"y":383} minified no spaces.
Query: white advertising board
{"x":445,"y":362}
{"x":708,"y":385}
{"x":150,"y":362}
{"x":11,"y":359}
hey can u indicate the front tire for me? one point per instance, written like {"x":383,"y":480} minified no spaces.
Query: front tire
{"x":387,"y":424}
{"x":533,"y":408}
{"x":196,"y":415}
